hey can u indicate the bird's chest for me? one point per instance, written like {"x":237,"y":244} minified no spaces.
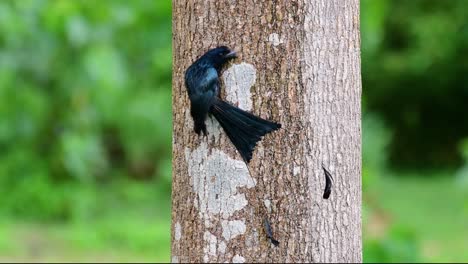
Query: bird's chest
{"x":205,"y":83}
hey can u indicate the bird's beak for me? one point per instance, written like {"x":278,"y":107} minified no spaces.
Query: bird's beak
{"x":231,"y":54}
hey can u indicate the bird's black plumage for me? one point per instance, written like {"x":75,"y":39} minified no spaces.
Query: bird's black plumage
{"x":202,"y":82}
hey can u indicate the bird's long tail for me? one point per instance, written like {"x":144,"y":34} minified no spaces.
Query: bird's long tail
{"x":243,"y":128}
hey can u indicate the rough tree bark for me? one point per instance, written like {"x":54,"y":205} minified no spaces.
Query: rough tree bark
{"x":299,"y":64}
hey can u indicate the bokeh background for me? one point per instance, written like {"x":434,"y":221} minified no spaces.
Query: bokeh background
{"x":85,"y":130}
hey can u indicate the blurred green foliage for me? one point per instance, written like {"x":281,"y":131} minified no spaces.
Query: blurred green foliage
{"x":85,"y":119}
{"x":415,"y":89}
{"x":415,"y":76}
{"x":85,"y":91}
{"x":85,"y":130}
{"x":401,"y":245}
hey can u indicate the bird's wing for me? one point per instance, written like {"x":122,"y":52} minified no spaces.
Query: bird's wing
{"x":210,"y":82}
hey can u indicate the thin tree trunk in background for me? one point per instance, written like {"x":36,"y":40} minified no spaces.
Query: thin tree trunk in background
{"x":299,"y":64}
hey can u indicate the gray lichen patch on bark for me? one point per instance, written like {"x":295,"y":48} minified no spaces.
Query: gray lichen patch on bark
{"x":231,"y":229}
{"x":177,"y":231}
{"x":213,"y":128}
{"x":275,"y":39}
{"x":215,"y":178}
{"x":238,"y":79}
{"x":238,"y":259}
{"x":209,"y":249}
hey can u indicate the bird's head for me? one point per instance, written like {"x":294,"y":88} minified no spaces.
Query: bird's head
{"x":218,"y":56}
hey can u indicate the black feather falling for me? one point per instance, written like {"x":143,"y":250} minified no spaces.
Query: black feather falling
{"x":269,"y":233}
{"x":328,"y":183}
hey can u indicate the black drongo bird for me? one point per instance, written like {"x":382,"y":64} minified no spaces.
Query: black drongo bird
{"x":202,"y":81}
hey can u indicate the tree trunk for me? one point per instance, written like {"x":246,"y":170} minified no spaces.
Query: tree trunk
{"x":299,"y":64}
